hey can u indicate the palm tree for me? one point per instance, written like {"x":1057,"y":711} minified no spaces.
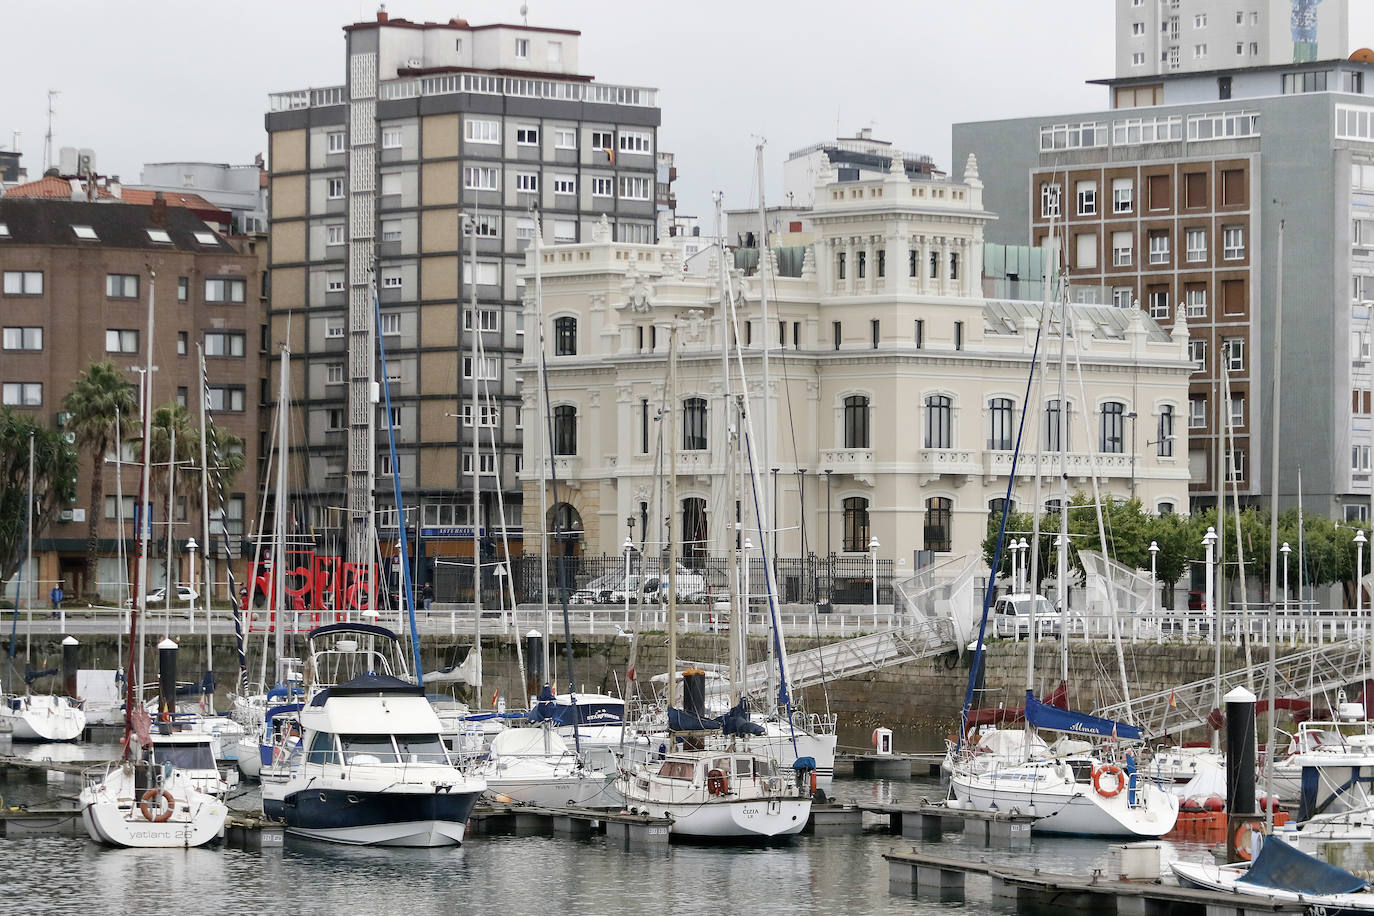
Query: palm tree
{"x":100,"y":394}
{"x":173,"y":422}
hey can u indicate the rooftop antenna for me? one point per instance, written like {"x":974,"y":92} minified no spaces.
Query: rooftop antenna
{"x":47,"y":138}
{"x":525,"y":13}
{"x":14,"y":139}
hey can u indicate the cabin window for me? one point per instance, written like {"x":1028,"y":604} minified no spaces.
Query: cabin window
{"x":421,"y":749}
{"x":322,"y":749}
{"x":377,"y":747}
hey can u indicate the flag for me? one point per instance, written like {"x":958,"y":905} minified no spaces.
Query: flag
{"x":1173,"y":701}
{"x":494,"y":697}
{"x":610,"y":154}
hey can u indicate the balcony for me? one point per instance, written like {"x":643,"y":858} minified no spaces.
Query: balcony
{"x":1078,"y":465}
{"x":476,"y":83}
{"x":855,"y":462}
{"x":960,"y":464}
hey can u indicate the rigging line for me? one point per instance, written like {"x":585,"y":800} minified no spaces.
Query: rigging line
{"x":974,"y":669}
{"x":485,"y":391}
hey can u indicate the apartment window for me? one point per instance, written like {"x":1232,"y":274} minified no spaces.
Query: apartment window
{"x":1137,"y":28}
{"x":920,"y":334}
{"x":183,"y":343}
{"x":1361,"y":342}
{"x":1049,"y":199}
{"x":121,"y":341}
{"x":840,"y":265}
{"x":522,"y":48}
{"x":121,"y":286}
{"x":856,"y":422}
{"x":23,"y":283}
{"x":953,"y":265}
{"x":224,"y":398}
{"x":1159,"y":304}
{"x":391,"y":323}
{"x":23,"y":338}
{"x":1122,"y":248}
{"x":526,"y":181}
{"x":1199,"y":51}
{"x":632,"y":188}
{"x":1359,"y":459}
{"x":1233,"y":350}
{"x":1197,"y":413}
{"x":603,"y":187}
{"x":636,"y":141}
{"x":1197,"y":352}
{"x":1052,"y":427}
{"x":334,"y":418}
{"x":1195,"y":301}
{"x":485,"y":225}
{"x":391,"y":184}
{"x":183,"y":289}
{"x":1123,"y":195}
{"x":486,"y":414}
{"x":1233,"y":243}
{"x":1113,"y":428}
{"x":391,"y":138}
{"x":1195,"y":240}
{"x":113,"y":507}
{"x":1000,"y":429}
{"x":391,"y":279}
{"x":488,"y":367}
{"x":958,"y":335}
{"x":564,"y":138}
{"x":1087,"y":198}
{"x":334,"y":328}
{"x":334,"y":374}
{"x":225,"y":289}
{"x":334,"y":281}
{"x":939,"y":411}
{"x":565,"y":336}
{"x":1233,"y":297}
{"x":565,"y":430}
{"x":334,"y":188}
{"x":486,"y":319}
{"x":1312,"y":81}
{"x":836,"y":328}
{"x":486,"y":463}
{"x":1138,"y":59}
{"x":1159,"y":246}
{"x":694,"y":424}
{"x":564,"y":184}
{"x":1122,"y":297}
{"x":603,"y":140}
{"x":481,"y":130}
{"x":333,"y":235}
{"x":1239,"y":465}
{"x":391,"y":230}
{"x":1238,"y":411}
{"x":939,"y":528}
{"x":876,"y":329}
{"x":223,"y":343}
{"x":861,"y":264}
{"x":855,"y":524}
{"x":526,"y":135}
{"x":1233,"y":187}
{"x":481,"y":178}
{"x":488,"y":273}
{"x":1200,"y":21}
{"x":1164,"y":432}
{"x":23,"y":394}
{"x":334,"y":141}
{"x":934,"y":265}
{"x":1157,"y":189}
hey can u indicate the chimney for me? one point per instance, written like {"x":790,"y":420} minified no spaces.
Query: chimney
{"x":158,"y":213}
{"x":382,"y":15}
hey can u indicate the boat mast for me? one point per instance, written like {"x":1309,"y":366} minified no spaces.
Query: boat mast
{"x":727,"y":326}
{"x":672,"y":513}
{"x":476,"y":468}
{"x":143,"y":521}
{"x":119,"y":526}
{"x":764,"y":451}
{"x":1269,"y":743}
{"x":542,"y":407}
{"x":204,"y":521}
{"x":28,"y":561}
{"x":1061,"y":583}
{"x":168,"y":589}
{"x":279,"y":522}
{"x":1218,"y":599}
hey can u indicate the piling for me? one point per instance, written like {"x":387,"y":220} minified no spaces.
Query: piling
{"x":166,"y":678}
{"x":1240,"y":772}
{"x":71,"y":661}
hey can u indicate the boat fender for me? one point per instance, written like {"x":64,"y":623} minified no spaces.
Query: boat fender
{"x":717,"y":783}
{"x":151,"y":796}
{"x":875,"y":737}
{"x":814,"y":782}
{"x":1118,"y":781}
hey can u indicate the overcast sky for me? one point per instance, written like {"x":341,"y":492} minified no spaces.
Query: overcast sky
{"x":158,"y":80}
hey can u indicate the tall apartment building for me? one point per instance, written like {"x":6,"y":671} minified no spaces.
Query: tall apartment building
{"x":75,"y":291}
{"x":1192,"y":36}
{"x":895,"y":393}
{"x":446,"y":140}
{"x":1174,"y":196}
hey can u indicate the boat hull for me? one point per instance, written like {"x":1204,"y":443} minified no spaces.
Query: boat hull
{"x":589,"y":791}
{"x":44,"y":719}
{"x":734,"y":819}
{"x":376,"y":818}
{"x":111,"y":815}
{"x":1067,"y":808}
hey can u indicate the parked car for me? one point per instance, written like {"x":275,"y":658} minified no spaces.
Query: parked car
{"x":184,"y":595}
{"x":691,"y":588}
{"x":1197,"y":601}
{"x":1012,"y":616}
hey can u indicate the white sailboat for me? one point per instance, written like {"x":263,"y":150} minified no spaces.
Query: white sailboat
{"x":141,"y":801}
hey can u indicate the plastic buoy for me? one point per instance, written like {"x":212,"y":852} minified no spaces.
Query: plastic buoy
{"x":1214,"y":803}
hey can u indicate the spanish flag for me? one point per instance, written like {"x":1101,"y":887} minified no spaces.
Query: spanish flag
{"x":494,"y":697}
{"x":1173,"y":701}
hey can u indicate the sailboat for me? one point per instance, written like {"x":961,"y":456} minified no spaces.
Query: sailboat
{"x":1090,"y":794}
{"x":140,"y":801}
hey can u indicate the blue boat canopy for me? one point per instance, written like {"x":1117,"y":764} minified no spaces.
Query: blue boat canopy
{"x":1042,"y":715}
{"x":1288,"y":868}
{"x":804,"y":763}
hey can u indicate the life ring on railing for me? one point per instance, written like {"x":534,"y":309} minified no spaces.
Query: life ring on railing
{"x":1118,"y":783}
{"x":1244,"y":837}
{"x":717,"y":783}
{"x":153,"y":795}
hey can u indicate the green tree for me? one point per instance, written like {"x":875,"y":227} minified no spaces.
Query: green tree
{"x":172,"y":424}
{"x":54,"y":483}
{"x":100,"y":395}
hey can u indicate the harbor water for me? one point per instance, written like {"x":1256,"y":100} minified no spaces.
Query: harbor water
{"x":511,"y":875}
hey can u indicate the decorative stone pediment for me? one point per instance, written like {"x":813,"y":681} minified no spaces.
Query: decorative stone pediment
{"x":639,"y":292}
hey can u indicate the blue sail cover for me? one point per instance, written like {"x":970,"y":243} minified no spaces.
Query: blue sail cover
{"x":1287,"y":868}
{"x":1042,"y":715}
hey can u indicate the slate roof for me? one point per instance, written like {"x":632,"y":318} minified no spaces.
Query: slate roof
{"x":40,"y":221}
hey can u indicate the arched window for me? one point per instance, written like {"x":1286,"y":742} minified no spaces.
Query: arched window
{"x":565,"y":430}
{"x":1052,"y":420}
{"x":939,"y":407}
{"x":1113,"y":428}
{"x":856,"y":422}
{"x":565,"y":336}
{"x":995,"y":507}
{"x":1165,"y":434}
{"x":694,"y":424}
{"x":939,"y":512}
{"x":694,"y":534}
{"x":856,"y":524}
{"x":1000,"y":428}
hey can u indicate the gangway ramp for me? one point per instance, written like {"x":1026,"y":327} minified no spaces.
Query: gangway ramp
{"x":1298,"y":675}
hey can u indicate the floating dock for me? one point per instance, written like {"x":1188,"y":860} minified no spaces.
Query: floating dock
{"x":888,"y":766}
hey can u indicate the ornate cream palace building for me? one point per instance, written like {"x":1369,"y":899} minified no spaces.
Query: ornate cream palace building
{"x":895,"y":388}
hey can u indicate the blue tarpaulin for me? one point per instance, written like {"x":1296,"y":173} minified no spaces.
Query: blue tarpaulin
{"x":1287,"y":868}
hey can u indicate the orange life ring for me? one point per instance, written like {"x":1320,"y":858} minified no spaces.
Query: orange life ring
{"x":152,"y":795}
{"x":1113,"y":770}
{"x":717,"y":782}
{"x":1243,"y":838}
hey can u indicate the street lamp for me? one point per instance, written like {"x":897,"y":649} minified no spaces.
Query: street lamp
{"x":1132,"y":417}
{"x":629,"y":545}
{"x":1284,"y":550}
{"x":1025,"y":565}
{"x":191,"y":548}
{"x":1209,"y":540}
{"x":1154,"y":549}
{"x":773,"y":517}
{"x":873,"y":546}
{"x":829,"y":550}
